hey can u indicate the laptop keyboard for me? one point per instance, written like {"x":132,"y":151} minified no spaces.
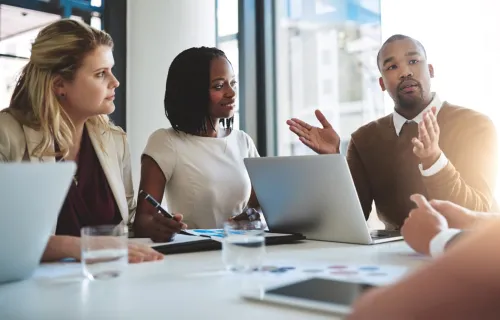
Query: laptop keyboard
{"x":380,"y":234}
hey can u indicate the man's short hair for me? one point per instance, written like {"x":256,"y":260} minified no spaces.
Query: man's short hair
{"x":397,"y":37}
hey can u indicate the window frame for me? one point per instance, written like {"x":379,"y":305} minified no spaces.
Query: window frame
{"x":256,"y":32}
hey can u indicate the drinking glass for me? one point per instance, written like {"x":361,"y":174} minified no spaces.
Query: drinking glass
{"x":243,"y":246}
{"x":104,"y":251}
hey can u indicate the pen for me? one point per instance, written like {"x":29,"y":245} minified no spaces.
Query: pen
{"x":155,"y":204}
{"x":164,"y":212}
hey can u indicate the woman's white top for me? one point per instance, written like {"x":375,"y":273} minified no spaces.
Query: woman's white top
{"x":207,"y":180}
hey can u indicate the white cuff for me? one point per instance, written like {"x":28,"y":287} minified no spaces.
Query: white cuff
{"x":441,"y":162}
{"x":439,"y":242}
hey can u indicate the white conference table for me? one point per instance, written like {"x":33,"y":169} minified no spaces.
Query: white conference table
{"x":182,"y":286}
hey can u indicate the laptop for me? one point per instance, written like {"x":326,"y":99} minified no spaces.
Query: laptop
{"x":313,"y":195}
{"x":31,"y":196}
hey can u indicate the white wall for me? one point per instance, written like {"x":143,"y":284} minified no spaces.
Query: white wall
{"x":158,"y":30}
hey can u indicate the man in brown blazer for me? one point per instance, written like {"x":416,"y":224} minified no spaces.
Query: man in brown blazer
{"x":425,"y":146}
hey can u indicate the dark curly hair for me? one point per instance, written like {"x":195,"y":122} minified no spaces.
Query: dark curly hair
{"x":187,"y":93}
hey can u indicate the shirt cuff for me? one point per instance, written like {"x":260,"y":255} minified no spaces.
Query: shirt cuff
{"x":438,"y":243}
{"x":441,"y":162}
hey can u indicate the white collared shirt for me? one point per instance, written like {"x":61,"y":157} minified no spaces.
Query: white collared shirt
{"x":399,"y":122}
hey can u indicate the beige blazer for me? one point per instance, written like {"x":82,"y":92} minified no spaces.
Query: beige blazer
{"x":17,"y":143}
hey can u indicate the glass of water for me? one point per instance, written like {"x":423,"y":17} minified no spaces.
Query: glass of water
{"x":243,"y":246}
{"x":104,"y":251}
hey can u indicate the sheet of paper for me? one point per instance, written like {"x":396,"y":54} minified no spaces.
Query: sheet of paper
{"x":270,"y":234}
{"x":219,"y":233}
{"x":214,"y":234}
{"x":179,"y":238}
{"x":368,"y":273}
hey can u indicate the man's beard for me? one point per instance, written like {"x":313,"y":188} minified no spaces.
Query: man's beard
{"x":409,"y":102}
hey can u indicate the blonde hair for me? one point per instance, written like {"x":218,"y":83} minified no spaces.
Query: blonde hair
{"x":58,"y":50}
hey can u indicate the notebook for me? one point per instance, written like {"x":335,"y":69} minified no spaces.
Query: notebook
{"x":195,"y":240}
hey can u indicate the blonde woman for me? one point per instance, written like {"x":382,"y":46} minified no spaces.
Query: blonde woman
{"x":58,"y":112}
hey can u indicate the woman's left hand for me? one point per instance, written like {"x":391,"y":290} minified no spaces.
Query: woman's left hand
{"x":141,"y":253}
{"x":249,"y":214}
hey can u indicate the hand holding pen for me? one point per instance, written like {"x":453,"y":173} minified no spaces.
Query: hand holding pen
{"x":164,"y":225}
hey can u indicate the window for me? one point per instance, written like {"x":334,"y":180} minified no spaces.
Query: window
{"x":326,"y":53}
{"x":227,"y":40}
{"x":464,"y":55}
{"x":18,"y":28}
